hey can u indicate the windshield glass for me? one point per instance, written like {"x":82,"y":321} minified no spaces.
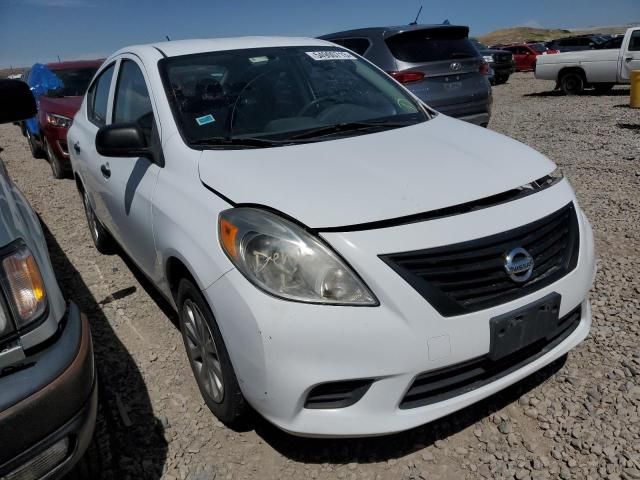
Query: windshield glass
{"x":278,"y":93}
{"x":538,"y":47}
{"x":75,"y":81}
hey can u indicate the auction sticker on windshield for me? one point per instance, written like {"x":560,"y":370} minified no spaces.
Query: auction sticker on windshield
{"x":331,"y":55}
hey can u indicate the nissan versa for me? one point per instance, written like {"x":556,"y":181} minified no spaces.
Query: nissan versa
{"x":343,"y":259}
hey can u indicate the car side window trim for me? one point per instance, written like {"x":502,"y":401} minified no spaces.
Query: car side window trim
{"x":90,"y":98}
{"x":112,"y":97}
{"x":340,"y":41}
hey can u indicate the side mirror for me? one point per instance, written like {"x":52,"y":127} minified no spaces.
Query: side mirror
{"x":122,"y":140}
{"x":17,"y":101}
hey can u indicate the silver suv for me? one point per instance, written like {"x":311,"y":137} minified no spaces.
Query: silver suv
{"x":438,"y":63}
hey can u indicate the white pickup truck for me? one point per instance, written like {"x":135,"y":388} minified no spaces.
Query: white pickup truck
{"x":600,"y":69}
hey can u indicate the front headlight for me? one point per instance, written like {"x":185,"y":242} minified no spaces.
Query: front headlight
{"x":58,"y":120}
{"x":23,"y":286}
{"x":488,"y":58}
{"x":286,"y":261}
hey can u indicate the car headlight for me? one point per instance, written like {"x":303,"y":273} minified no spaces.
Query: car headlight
{"x":286,"y":261}
{"x":58,"y":120}
{"x":488,"y":58}
{"x":23,"y":286}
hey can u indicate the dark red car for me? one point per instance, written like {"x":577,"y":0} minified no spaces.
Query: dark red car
{"x":47,"y":133}
{"x":526,"y":54}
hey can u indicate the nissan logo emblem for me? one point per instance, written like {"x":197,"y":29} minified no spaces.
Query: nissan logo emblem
{"x":455,"y":66}
{"x":518,"y":264}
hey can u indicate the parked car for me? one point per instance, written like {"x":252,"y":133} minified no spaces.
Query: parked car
{"x":59,"y":88}
{"x":576,"y":43}
{"x":527,"y":55}
{"x":612,"y":43}
{"x":500,"y":62}
{"x":600,"y":69}
{"x":437,"y":63}
{"x":48,"y":394}
{"x":342,"y":258}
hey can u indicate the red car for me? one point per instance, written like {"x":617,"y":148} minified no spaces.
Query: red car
{"x":47,"y":133}
{"x":526,"y":54}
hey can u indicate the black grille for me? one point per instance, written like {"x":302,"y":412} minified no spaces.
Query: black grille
{"x":439,"y":385}
{"x":337,"y":394}
{"x":470,"y":276}
{"x":503,"y":57}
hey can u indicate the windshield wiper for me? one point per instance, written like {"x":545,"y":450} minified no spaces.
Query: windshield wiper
{"x":246,"y":142}
{"x":348,"y":127}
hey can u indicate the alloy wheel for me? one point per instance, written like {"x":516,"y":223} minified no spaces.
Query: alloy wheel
{"x":91,"y":218}
{"x":202,"y":351}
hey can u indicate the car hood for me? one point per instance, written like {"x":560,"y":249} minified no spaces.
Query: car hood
{"x":67,"y":106}
{"x":337,"y":183}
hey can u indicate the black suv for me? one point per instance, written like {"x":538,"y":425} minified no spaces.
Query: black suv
{"x":437,"y":63}
{"x":577,"y":43}
{"x":500,"y":61}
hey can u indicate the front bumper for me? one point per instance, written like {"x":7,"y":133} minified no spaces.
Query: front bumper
{"x":282,"y":350}
{"x":53,"y":398}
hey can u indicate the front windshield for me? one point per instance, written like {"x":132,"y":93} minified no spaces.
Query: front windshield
{"x":279,"y":93}
{"x":74,"y":81}
{"x":538,"y":47}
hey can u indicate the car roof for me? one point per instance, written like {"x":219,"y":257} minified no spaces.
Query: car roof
{"x":176,"y":48}
{"x":75,"y":64}
{"x":390,"y":30}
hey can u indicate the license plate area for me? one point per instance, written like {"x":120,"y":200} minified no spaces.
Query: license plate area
{"x":525,"y":326}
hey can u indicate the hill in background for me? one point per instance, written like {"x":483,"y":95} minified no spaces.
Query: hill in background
{"x":523,"y":34}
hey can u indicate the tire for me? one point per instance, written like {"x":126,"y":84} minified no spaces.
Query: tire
{"x":502,"y":79}
{"x":102,"y":239}
{"x":97,"y":462}
{"x":210,"y":364}
{"x":56,"y":166}
{"x":36,"y":151}
{"x":572,"y":83}
{"x":601,"y":88}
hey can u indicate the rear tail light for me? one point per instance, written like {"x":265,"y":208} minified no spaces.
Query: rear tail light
{"x":484,"y":68}
{"x":407,"y":77}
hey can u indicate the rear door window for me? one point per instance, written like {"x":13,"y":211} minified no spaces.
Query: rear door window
{"x":431,"y":45}
{"x":358,"y":45}
{"x":634,"y":41}
{"x":98,"y":97}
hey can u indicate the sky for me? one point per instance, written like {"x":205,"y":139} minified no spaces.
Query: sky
{"x":41,"y":30}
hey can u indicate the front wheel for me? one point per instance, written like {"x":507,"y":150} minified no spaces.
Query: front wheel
{"x":572,"y":83}
{"x":208,"y":357}
{"x":56,"y":166}
{"x":36,"y":151}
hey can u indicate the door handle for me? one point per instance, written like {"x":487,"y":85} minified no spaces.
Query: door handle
{"x":76,"y":147}
{"x":106,"y":171}
{"x":628,"y":59}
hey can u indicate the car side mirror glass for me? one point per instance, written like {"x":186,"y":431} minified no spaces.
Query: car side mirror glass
{"x":122,"y":140}
{"x":17,"y":101}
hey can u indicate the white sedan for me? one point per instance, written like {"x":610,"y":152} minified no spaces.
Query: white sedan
{"x":343,"y":258}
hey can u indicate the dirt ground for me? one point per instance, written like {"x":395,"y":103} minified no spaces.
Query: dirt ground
{"x":578,"y":418}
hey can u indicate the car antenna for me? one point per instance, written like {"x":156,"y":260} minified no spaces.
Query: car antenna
{"x":415,"y":22}
{"x":167,"y":37}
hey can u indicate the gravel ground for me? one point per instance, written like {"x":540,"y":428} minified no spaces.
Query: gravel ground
{"x":578,"y":418}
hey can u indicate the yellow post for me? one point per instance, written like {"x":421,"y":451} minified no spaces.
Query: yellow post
{"x":635,"y":89}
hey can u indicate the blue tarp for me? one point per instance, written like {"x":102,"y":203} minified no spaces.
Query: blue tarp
{"x":41,"y":80}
